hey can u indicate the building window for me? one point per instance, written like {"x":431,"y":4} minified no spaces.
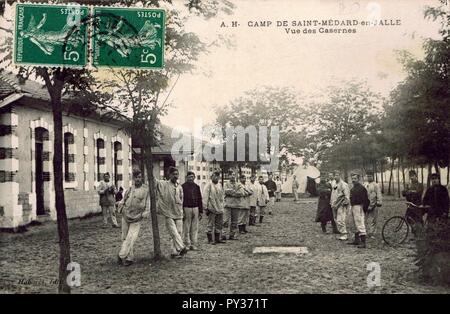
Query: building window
{"x":100,"y":162}
{"x":191,"y":168}
{"x":69,"y":157}
{"x":204,"y":177}
{"x":118,"y":176}
{"x":198,"y":177}
{"x":204,"y":168}
{"x":198,"y":168}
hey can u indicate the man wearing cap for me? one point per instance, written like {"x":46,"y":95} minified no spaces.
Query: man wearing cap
{"x":359,"y":203}
{"x":107,"y":192}
{"x":295,"y":186}
{"x":271,"y":187}
{"x":213,"y":204}
{"x":262,"y":198}
{"x":253,"y":187}
{"x":244,"y":205}
{"x":193,"y":209}
{"x":437,"y":199}
{"x":134,"y":208}
{"x":375,"y":198}
{"x":413,"y":193}
{"x":170,"y":205}
{"x":332,"y":183}
{"x":234,"y":192}
{"x":278,"y":191}
{"x":340,"y":205}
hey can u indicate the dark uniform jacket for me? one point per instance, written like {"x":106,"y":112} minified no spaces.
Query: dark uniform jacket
{"x":437,"y":198}
{"x":271,"y":187}
{"x":413,"y":193}
{"x":358,"y":196}
{"x":192,"y":197}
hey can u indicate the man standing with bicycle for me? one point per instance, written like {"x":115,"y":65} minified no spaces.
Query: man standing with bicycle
{"x":413,"y":193}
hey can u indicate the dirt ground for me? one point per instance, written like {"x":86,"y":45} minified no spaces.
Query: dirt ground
{"x":29,"y":261}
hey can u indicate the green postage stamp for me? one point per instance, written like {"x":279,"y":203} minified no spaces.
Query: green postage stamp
{"x":51,"y":35}
{"x":60,"y":35}
{"x":128,"y":37}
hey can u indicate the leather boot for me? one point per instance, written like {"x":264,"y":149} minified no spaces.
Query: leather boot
{"x":210,"y":237}
{"x":261,"y":219}
{"x":241,"y":229}
{"x":244,"y":228}
{"x":217,"y":239}
{"x":356,"y":241}
{"x":324,"y":227}
{"x":362,"y":245}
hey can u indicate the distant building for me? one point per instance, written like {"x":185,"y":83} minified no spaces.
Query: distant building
{"x":92,"y":146}
{"x":162,"y":156}
{"x":203,"y":170}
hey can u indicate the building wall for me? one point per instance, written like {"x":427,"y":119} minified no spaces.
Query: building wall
{"x":158,"y":168}
{"x":10,"y":209}
{"x":80,"y":190}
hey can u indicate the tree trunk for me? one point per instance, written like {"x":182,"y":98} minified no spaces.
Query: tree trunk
{"x":436,"y":168}
{"x":142,"y":162}
{"x":398,"y":177}
{"x":374,"y":169}
{"x":63,"y":228}
{"x":448,"y":174}
{"x":382,"y":177}
{"x":403,"y":174}
{"x":390,"y":177}
{"x":421,"y":173}
{"x":153,"y":212}
{"x":430,"y":169}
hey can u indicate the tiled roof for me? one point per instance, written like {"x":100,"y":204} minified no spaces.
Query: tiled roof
{"x":33,"y":88}
{"x":38,"y":91}
{"x":7,"y":87}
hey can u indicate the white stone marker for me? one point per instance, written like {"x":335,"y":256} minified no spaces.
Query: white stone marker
{"x":281,"y":249}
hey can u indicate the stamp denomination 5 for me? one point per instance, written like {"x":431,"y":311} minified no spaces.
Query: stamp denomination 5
{"x":50,"y":35}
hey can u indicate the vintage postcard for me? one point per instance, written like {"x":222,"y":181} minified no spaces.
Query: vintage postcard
{"x":211,"y":148}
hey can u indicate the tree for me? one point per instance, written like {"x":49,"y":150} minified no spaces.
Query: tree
{"x":265,"y":106}
{"x":339,"y":122}
{"x":59,"y":81}
{"x":421,"y":103}
{"x":142,"y":96}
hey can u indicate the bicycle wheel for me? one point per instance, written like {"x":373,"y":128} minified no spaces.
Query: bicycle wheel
{"x":395,"y":231}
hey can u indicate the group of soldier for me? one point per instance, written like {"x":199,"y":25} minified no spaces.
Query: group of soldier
{"x":363,"y":201}
{"x":229,"y":209}
{"x":239,"y":203}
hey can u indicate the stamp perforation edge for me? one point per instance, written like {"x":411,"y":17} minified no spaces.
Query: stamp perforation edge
{"x":164,"y":15}
{"x":48,"y":65}
{"x":88,"y":49}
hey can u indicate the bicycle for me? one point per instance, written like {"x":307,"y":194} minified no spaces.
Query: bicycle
{"x":396,"y":229}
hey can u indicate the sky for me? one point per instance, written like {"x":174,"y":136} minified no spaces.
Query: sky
{"x":307,"y":62}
